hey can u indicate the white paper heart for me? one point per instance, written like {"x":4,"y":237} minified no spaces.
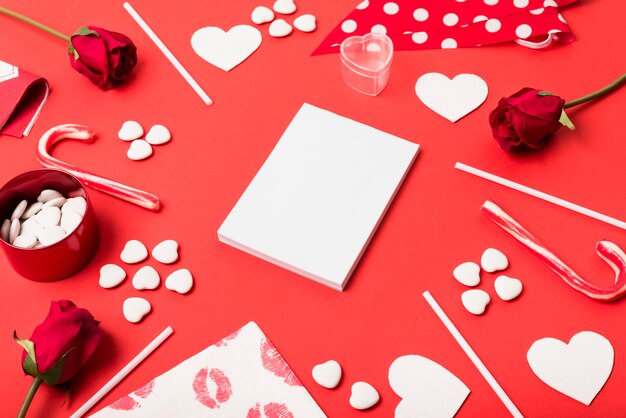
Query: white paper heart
{"x":180,"y":281}
{"x":475,"y":301}
{"x":262,"y":14}
{"x":285,"y":7}
{"x":158,"y":135}
{"x":363,"y":396}
{"x":493,"y":260}
{"x":508,"y":288}
{"x":135,"y":309}
{"x":327,"y":374}
{"x":279,"y":28}
{"x":467,"y":274}
{"x":111,"y":275}
{"x":427,"y":389}
{"x":139,"y":150}
{"x":130,"y":131}
{"x":226,"y":50}
{"x":8,"y":71}
{"x":134,"y":252}
{"x":305,"y":23}
{"x":454,"y":98}
{"x":578,"y":369}
{"x":166,"y":252}
{"x":146,"y":278}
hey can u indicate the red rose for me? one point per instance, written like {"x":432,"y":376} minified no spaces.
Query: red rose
{"x":525,"y":120}
{"x":106,"y":58}
{"x":69,"y":330}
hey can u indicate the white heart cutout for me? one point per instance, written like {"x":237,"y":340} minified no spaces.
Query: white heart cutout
{"x":111,"y":275}
{"x":262,"y":14}
{"x":467,"y":274}
{"x":180,"y":281}
{"x":305,"y":23}
{"x":327,"y":374}
{"x":363,"y":396}
{"x":226,"y":50}
{"x":475,"y":301}
{"x":508,"y":288}
{"x":146,"y":278}
{"x":166,"y":252}
{"x":135,"y":309}
{"x":493,"y":260}
{"x":454,"y":98}
{"x":427,"y":389}
{"x":134,"y":252}
{"x":578,"y":369}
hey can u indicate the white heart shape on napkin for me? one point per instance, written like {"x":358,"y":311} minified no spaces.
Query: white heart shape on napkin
{"x":279,"y":28}
{"x":134,"y":252}
{"x":305,"y":23}
{"x":135,"y":309}
{"x":146,"y":278}
{"x":454,"y":98}
{"x":158,"y":135}
{"x":285,"y":7}
{"x":427,"y":389}
{"x":111,"y":275}
{"x":578,"y":369}
{"x":327,"y":374}
{"x":475,"y":301}
{"x":130,"y":131}
{"x":226,"y":50}
{"x":139,"y":150}
{"x":363,"y":396}
{"x":180,"y":281}
{"x":508,"y":288}
{"x":262,"y":14}
{"x":467,"y":274}
{"x":493,"y":260}
{"x":166,"y":252}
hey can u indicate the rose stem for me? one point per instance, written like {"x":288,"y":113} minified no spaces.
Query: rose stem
{"x":34,"y":23}
{"x":602,"y":92}
{"x":29,"y":397}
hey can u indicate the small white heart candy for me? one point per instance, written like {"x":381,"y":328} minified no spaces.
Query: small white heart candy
{"x":111,"y":275}
{"x":146,"y":278}
{"x":166,"y":252}
{"x":180,"y":281}
{"x":19,"y":210}
{"x":58,"y":202}
{"x":493,"y":260}
{"x":508,"y":288}
{"x":262,"y":14}
{"x":32,"y":210}
{"x":475,"y":301}
{"x":130,"y":131}
{"x":285,"y":7}
{"x":305,"y":23}
{"x":4,"y":231}
{"x":51,"y":235}
{"x":25,"y":241}
{"x":363,"y":396}
{"x":14,"y":230}
{"x":75,"y":204}
{"x":31,"y":226}
{"x":48,"y":217}
{"x":47,"y":195}
{"x":158,"y":135}
{"x":467,"y":274}
{"x":70,"y":221}
{"x":135,"y":309}
{"x":327,"y":374}
{"x":139,"y":150}
{"x":279,"y":28}
{"x":134,"y":252}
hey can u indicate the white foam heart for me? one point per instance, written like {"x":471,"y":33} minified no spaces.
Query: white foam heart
{"x":139,"y":150}
{"x":135,"y":309}
{"x":363,"y":396}
{"x":427,"y":389}
{"x":305,"y":23}
{"x":475,"y":301}
{"x":578,"y":369}
{"x":327,"y":374}
{"x":180,"y":281}
{"x":454,"y":98}
{"x":146,"y":278}
{"x":493,"y":260}
{"x":467,"y":274}
{"x":158,"y":135}
{"x":111,"y":275}
{"x":508,"y":288}
{"x":130,"y":131}
{"x":279,"y":28}
{"x":226,"y":50}
{"x":262,"y":14}
{"x":285,"y":7}
{"x":134,"y":252}
{"x":166,"y":252}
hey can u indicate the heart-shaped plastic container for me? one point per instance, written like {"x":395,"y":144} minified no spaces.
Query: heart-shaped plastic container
{"x":366,"y":62}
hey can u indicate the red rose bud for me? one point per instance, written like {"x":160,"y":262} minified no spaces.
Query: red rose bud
{"x":61,"y":344}
{"x":106,"y":58}
{"x":525,"y":120}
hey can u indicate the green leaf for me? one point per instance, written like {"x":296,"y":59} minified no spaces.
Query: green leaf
{"x":52,"y":376}
{"x":30,"y":362}
{"x":544,"y":93}
{"x":565,"y":121}
{"x":84,"y":31}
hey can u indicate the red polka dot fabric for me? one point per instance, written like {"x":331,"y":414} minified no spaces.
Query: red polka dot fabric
{"x":432,"y":24}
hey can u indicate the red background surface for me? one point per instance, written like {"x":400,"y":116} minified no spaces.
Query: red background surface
{"x":433,"y":225}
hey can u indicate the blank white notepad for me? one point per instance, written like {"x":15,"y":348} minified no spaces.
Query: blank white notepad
{"x":316,"y":202}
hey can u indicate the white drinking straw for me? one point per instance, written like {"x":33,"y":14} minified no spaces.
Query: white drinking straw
{"x":472,"y":355}
{"x":124,"y":372}
{"x":168,"y":54}
{"x":541,"y":195}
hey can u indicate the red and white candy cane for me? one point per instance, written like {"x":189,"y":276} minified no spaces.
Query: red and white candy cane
{"x":86,"y":134}
{"x":608,"y":251}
